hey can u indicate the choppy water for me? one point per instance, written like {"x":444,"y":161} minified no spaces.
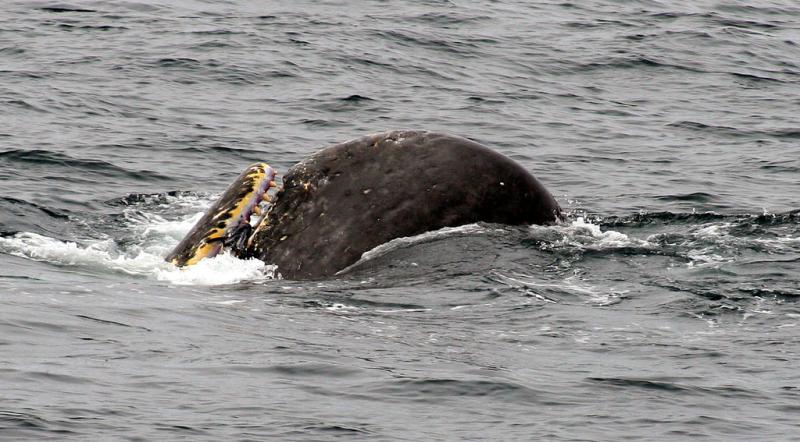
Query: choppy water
{"x":666,"y":307}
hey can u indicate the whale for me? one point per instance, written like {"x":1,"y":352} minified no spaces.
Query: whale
{"x":351,"y":197}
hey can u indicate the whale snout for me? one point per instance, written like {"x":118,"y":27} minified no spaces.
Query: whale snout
{"x":225,"y":226}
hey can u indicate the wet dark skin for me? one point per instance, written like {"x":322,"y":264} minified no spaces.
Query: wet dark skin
{"x":354,"y":196}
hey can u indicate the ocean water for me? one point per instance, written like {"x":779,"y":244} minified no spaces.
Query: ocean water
{"x":666,"y":307}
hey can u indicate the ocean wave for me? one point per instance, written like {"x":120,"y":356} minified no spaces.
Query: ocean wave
{"x":51,"y":160}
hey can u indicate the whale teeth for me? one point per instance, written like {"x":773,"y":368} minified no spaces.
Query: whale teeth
{"x":258,"y":210}
{"x":266,"y":198}
{"x":273,"y":184}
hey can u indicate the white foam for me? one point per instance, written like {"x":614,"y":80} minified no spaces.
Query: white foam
{"x":158,"y":227}
{"x":582,"y":233}
{"x":714,"y":244}
{"x":103,"y":256}
{"x":712,"y":230}
{"x":221,"y":269}
{"x":609,"y":238}
{"x":155,"y":237}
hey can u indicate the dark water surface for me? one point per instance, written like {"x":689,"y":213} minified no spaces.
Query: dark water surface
{"x":666,"y":307}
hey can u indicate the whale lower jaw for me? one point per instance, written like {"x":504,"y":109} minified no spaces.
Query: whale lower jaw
{"x":225,"y":226}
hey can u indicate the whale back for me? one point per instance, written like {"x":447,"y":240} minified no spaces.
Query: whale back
{"x":354,"y":196}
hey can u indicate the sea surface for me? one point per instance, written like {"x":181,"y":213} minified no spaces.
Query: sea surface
{"x":666,"y":307}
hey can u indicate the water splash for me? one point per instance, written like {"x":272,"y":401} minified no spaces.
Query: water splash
{"x":583,"y":234}
{"x":150,"y":237}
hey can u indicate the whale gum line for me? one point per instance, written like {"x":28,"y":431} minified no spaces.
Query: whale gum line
{"x":354,"y":196}
{"x":231,"y":209}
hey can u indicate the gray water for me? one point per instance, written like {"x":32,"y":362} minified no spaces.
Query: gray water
{"x":664,"y":308}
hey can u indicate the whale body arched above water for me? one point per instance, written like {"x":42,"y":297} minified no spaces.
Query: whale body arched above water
{"x":351,"y":197}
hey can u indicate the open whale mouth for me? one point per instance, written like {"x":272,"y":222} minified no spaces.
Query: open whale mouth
{"x":226,"y":225}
